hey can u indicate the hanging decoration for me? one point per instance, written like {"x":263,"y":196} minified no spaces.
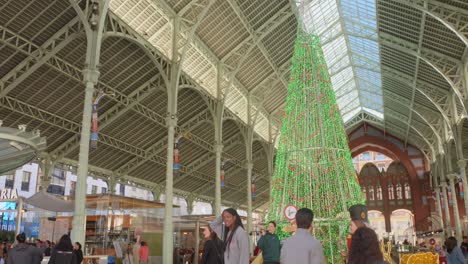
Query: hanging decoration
{"x":253,"y":190}
{"x":460,"y":187}
{"x":314,"y":168}
{"x":222,"y":174}
{"x":94,"y":120}
{"x":176,"y":166}
{"x":442,"y":204}
{"x":449,"y":194}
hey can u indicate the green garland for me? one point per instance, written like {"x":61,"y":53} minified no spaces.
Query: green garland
{"x":313,"y":166}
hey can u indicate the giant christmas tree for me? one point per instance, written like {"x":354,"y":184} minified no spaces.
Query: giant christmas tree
{"x":314,"y":167}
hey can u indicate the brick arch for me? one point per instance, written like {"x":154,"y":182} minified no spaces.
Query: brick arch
{"x":373,"y":143}
{"x":378,"y":141}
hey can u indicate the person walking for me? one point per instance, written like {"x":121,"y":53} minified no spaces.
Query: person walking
{"x":213,"y":248}
{"x":23,"y":253}
{"x":236,"y":240}
{"x":78,"y":252}
{"x":63,"y":252}
{"x":302,"y":247}
{"x":269,"y":244}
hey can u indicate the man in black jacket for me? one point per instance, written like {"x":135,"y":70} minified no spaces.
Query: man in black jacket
{"x":22,"y":253}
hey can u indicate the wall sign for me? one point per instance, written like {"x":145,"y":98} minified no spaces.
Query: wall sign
{"x":8,"y":194}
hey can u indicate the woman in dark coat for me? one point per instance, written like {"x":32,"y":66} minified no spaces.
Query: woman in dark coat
{"x":63,"y":252}
{"x":213,"y":248}
{"x":48,"y":249}
{"x":365,"y":247}
{"x":78,"y":252}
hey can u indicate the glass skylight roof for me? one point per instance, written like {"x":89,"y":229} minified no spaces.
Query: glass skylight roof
{"x":348,"y":33}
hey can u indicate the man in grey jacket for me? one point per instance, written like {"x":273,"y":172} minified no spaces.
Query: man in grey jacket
{"x":302,"y":247}
{"x":23,"y":253}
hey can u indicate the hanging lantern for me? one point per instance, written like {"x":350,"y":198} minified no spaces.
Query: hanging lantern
{"x":460,"y":187}
{"x":254,"y":194}
{"x":222,"y":174}
{"x":442,"y":200}
{"x":94,"y":120}
{"x":176,"y":166}
{"x":449,"y":194}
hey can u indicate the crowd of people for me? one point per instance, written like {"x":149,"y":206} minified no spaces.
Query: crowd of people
{"x":64,"y":252}
{"x":229,"y":243}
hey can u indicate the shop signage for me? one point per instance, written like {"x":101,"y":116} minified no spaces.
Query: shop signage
{"x":8,"y":194}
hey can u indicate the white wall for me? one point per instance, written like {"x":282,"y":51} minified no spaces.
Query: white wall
{"x":33,"y":168}
{"x":69,"y":177}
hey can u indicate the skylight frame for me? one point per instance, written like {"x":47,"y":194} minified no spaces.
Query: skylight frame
{"x":348,"y":30}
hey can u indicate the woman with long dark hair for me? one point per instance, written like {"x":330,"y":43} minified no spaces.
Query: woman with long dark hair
{"x":78,"y":252}
{"x":63,"y":252}
{"x":213,"y":248}
{"x":365,"y":247}
{"x":236,"y":240}
{"x":453,"y":252}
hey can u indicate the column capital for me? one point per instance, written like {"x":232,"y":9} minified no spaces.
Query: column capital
{"x":90,"y":75}
{"x":461,"y":163}
{"x":451,"y":176}
{"x":157,"y":190}
{"x":443,"y":184}
{"x":171,"y":120}
{"x":219,"y":148}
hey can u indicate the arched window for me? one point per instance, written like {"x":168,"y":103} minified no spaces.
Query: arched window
{"x":407,"y":191}
{"x":399,"y":192}
{"x":379,"y":193}
{"x":391,"y":192}
{"x":371,"y":193}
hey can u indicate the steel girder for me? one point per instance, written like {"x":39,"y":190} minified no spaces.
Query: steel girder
{"x":232,"y":59}
{"x":415,"y":77}
{"x":270,"y":80}
{"x":456,"y":19}
{"x":116,"y":111}
{"x":209,"y":157}
{"x":435,"y":122}
{"x":446,"y":66}
{"x":363,"y":117}
{"x":73,"y":72}
{"x":159,"y":146}
{"x":118,"y":28}
{"x":395,"y":115}
{"x":429,"y":91}
{"x":255,"y":37}
{"x":63,"y":123}
{"x":226,"y":81}
{"x":39,"y":54}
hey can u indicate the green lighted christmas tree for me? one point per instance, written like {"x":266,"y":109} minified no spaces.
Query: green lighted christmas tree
{"x":314,"y":167}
